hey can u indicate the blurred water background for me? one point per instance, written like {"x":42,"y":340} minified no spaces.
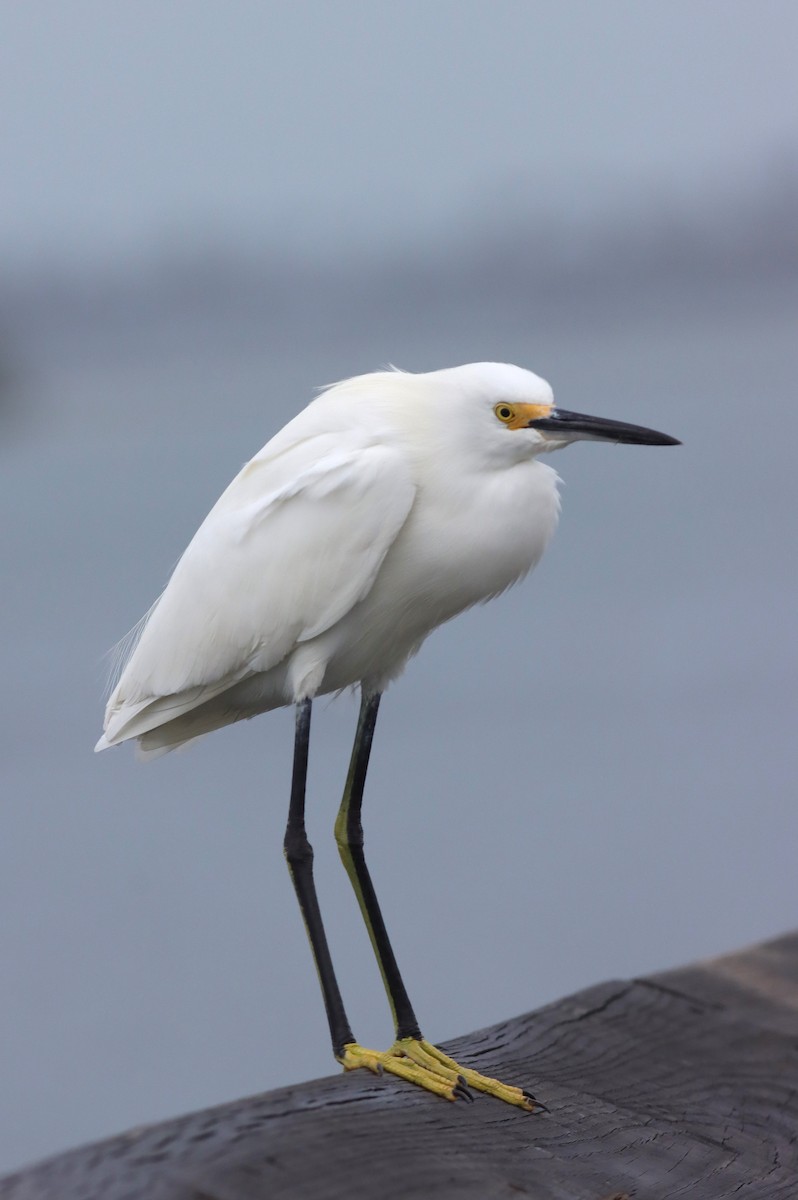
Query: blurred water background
{"x":214,"y":209}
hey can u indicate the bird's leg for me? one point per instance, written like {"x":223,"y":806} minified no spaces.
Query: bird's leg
{"x":299,"y":856}
{"x":412,"y":1057}
{"x":349,"y":835}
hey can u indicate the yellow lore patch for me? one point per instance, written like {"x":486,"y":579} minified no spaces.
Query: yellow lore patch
{"x":518,"y":416}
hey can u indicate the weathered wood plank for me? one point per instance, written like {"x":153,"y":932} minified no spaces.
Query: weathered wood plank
{"x":684,"y":1084}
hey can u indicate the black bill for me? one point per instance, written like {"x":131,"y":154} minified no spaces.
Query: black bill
{"x":578,"y":426}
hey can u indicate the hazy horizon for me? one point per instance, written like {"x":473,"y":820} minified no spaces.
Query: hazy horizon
{"x":320,"y":124}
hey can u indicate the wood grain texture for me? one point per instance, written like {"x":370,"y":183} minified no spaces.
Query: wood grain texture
{"x":684,"y":1084}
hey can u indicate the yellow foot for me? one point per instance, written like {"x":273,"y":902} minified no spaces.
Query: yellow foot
{"x":418,"y":1061}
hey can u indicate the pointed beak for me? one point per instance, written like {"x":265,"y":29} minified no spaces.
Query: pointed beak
{"x":572,"y":427}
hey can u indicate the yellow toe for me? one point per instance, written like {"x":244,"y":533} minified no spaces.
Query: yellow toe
{"x":418,"y":1061}
{"x":396,"y":1062}
{"x":483,"y":1083}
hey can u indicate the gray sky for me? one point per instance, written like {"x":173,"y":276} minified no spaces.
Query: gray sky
{"x":128,"y":124}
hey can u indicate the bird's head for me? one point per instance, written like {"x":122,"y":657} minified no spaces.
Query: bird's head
{"x":513,"y":413}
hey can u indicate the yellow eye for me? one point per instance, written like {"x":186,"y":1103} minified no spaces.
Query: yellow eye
{"x":505,"y":412}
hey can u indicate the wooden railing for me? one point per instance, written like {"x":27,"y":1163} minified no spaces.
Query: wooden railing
{"x":683,"y":1084}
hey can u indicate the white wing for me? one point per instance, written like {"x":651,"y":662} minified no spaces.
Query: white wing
{"x":291,"y":546}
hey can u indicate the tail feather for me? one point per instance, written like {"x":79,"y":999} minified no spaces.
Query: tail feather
{"x":157,"y":713}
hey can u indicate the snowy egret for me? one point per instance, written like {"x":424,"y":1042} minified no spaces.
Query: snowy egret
{"x":391,"y":503}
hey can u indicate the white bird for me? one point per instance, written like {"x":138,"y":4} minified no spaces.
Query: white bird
{"x":390,"y":504}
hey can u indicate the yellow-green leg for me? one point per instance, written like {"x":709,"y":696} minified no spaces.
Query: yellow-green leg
{"x":411,"y":1057}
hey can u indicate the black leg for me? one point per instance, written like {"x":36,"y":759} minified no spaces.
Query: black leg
{"x":349,"y":835}
{"x":299,"y":855}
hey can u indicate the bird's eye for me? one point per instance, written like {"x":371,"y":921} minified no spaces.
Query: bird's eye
{"x":504,"y":412}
